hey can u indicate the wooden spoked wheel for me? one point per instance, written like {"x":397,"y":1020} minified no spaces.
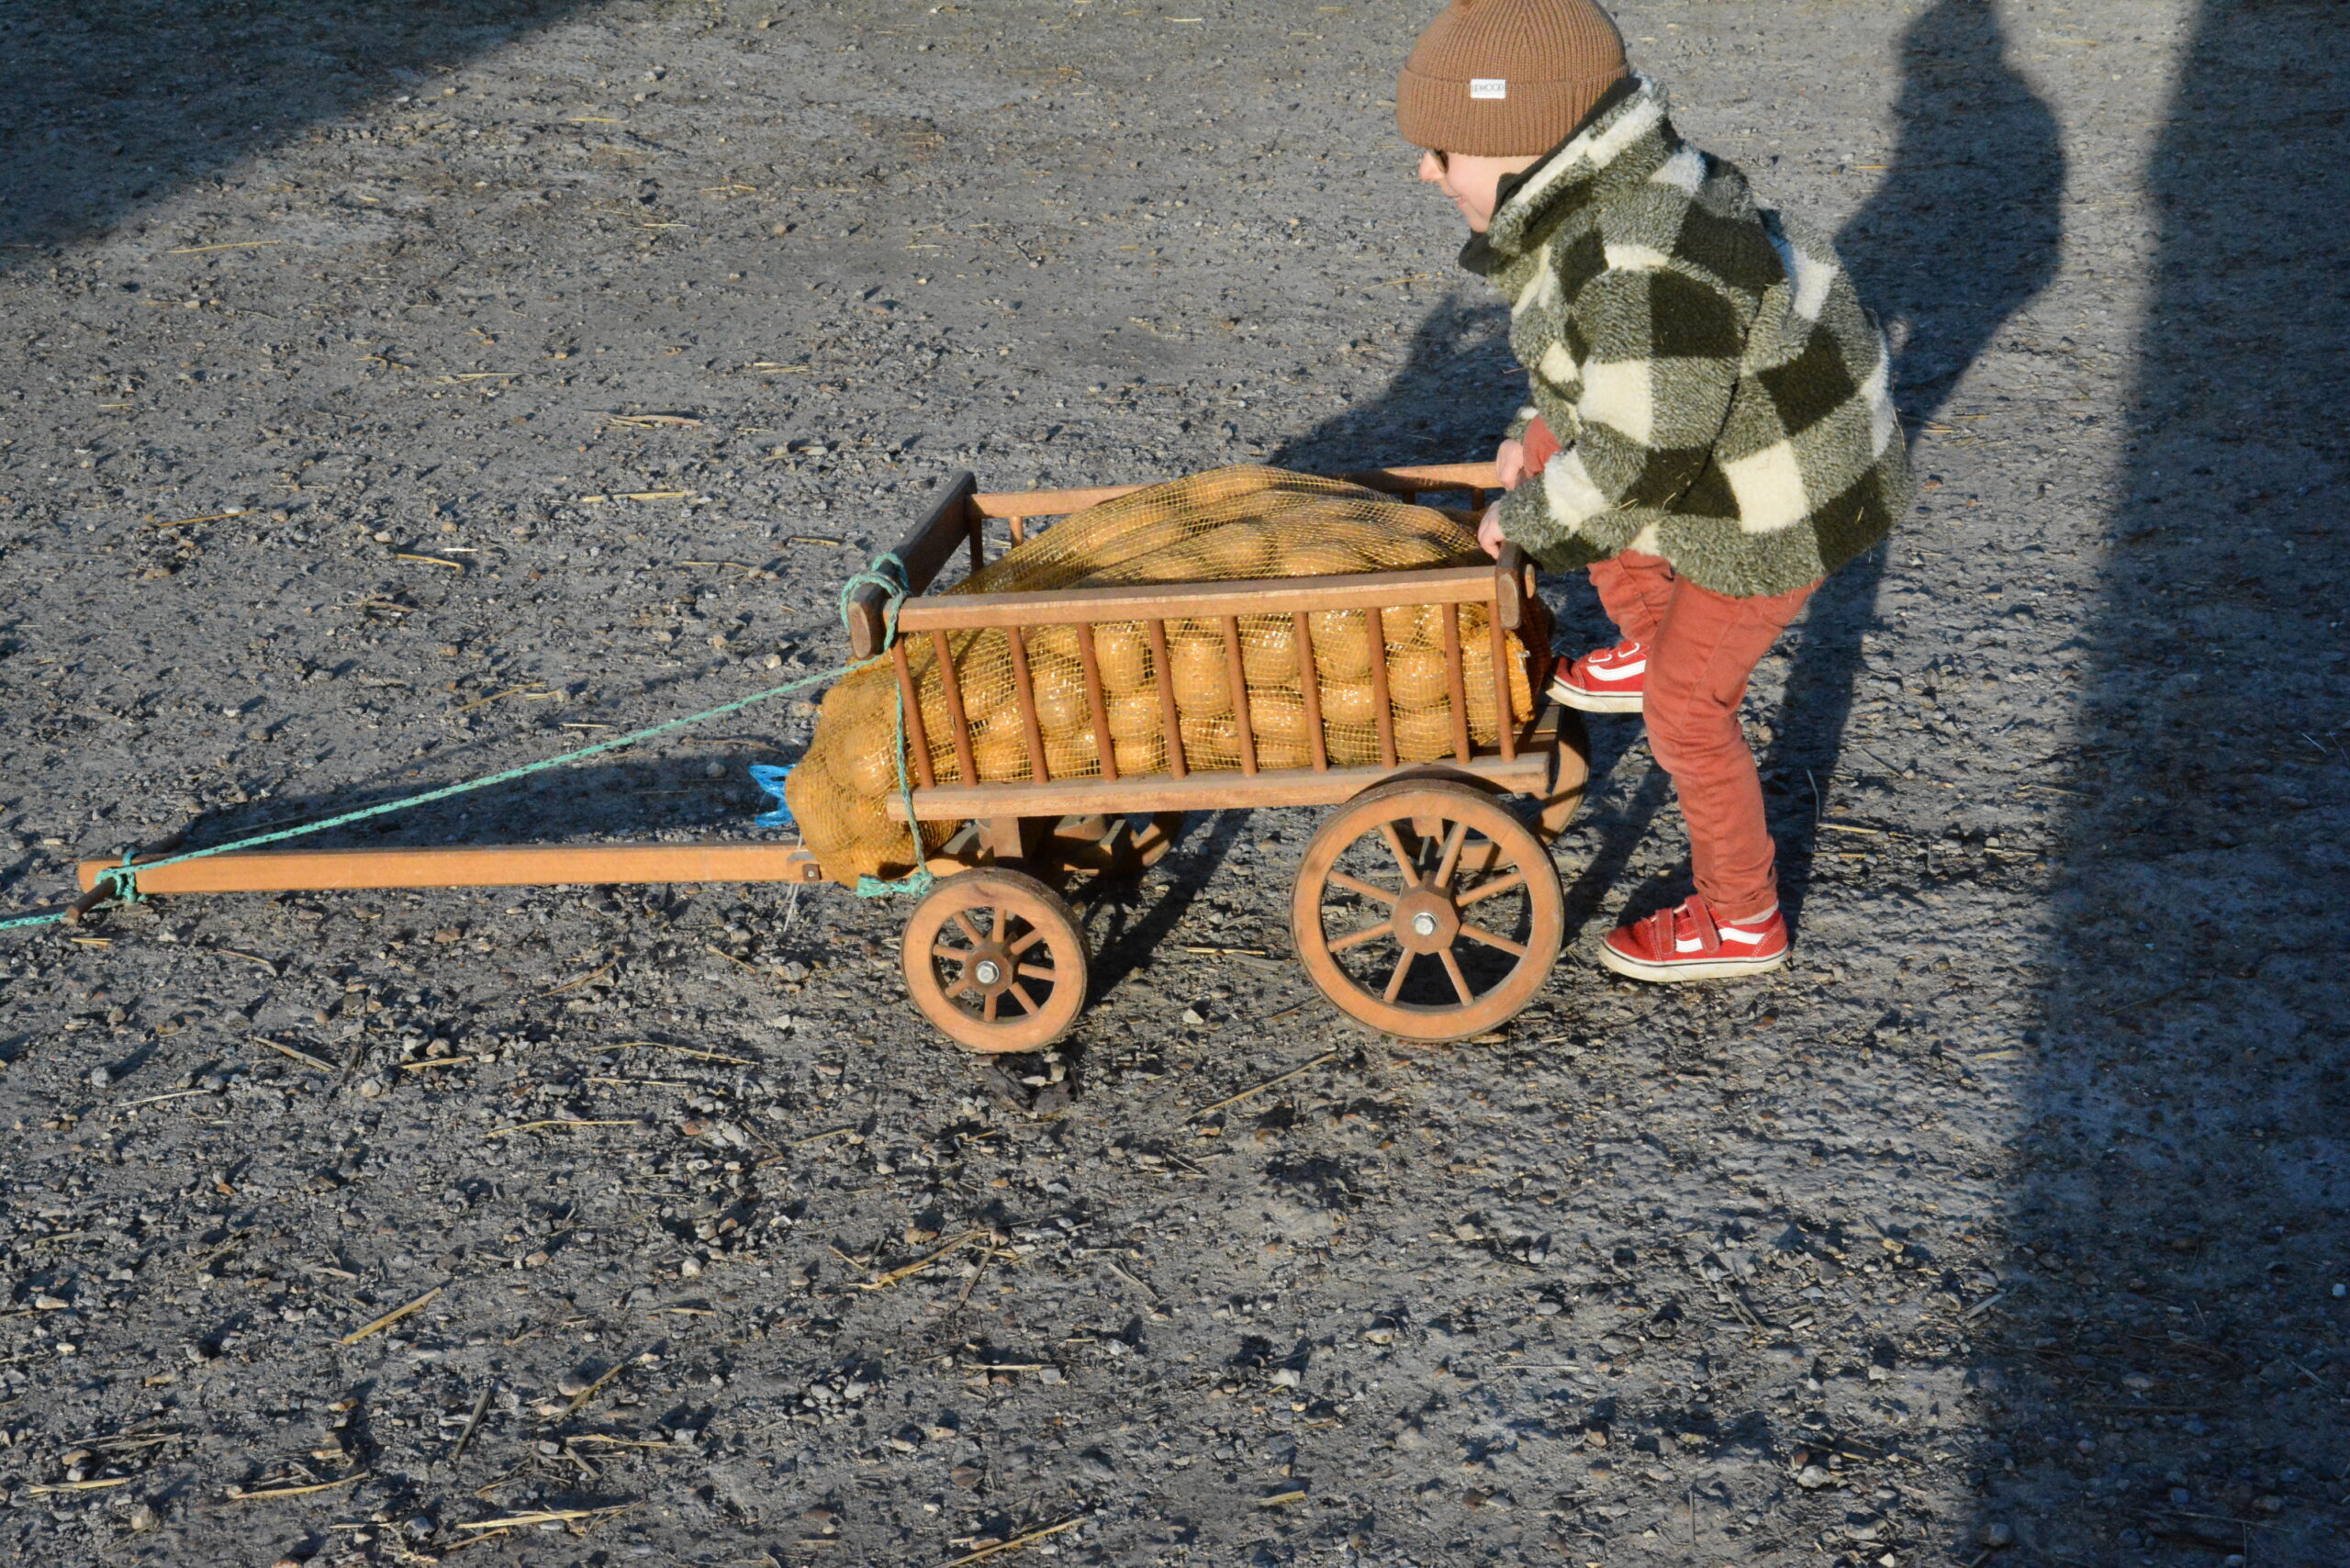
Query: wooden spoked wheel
{"x":1425,"y":909}
{"x":994,"y":957}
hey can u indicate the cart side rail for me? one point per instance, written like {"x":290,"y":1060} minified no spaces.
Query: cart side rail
{"x":961,"y":511}
{"x":1018,"y":507}
{"x":1240,"y":596}
{"x":1531,"y":770}
{"x":1504,"y":590}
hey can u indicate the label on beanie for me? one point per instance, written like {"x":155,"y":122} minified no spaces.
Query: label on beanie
{"x":1488,"y":87}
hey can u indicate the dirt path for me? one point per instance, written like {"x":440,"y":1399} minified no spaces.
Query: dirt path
{"x":393,"y":400}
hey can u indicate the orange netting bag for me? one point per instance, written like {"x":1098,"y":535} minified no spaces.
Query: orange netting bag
{"x":1218,"y":526}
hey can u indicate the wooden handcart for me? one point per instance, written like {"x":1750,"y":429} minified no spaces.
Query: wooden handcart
{"x":1424,"y":906}
{"x":1394,"y":910}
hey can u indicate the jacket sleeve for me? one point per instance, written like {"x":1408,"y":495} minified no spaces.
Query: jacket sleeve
{"x":1642,"y":369}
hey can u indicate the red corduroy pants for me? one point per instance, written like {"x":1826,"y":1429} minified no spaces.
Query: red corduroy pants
{"x":1702,"y":648}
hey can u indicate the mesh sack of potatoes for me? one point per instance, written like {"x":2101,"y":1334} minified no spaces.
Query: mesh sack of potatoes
{"x":1226,"y":524}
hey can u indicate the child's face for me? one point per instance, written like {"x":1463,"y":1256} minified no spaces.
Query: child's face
{"x":1471,"y":181}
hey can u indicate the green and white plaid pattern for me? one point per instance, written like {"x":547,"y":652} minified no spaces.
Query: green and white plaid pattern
{"x":1720,"y":396}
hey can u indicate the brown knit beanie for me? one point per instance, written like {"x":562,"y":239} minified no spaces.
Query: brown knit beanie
{"x":1506,"y":78}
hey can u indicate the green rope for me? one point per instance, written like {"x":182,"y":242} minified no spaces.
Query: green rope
{"x":888,"y":573}
{"x":917,"y":881}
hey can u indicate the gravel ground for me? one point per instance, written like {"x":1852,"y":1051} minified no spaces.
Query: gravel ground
{"x":2006,"y":1226}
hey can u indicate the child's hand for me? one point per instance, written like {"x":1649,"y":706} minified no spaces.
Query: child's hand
{"x":1489,"y":528}
{"x":1510,"y":459}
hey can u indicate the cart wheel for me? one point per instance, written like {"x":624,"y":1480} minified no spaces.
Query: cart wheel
{"x":995,"y":960}
{"x":1447,"y":911}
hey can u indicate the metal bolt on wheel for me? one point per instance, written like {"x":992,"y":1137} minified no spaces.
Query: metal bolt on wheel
{"x":994,"y":957}
{"x":1446,"y":909}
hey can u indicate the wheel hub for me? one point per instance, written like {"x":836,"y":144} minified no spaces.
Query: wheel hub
{"x":1426,"y":921}
{"x":991,"y":966}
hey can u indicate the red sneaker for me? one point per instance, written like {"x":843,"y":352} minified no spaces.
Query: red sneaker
{"x":1688,"y":944}
{"x":1607,"y":681}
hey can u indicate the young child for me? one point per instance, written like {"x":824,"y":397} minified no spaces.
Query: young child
{"x":1711,"y":433}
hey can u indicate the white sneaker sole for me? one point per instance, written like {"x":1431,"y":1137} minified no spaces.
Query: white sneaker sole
{"x":1688,"y":969}
{"x":1595,"y":701}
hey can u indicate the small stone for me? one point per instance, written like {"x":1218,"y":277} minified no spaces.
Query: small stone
{"x":143,"y":1517}
{"x":46,"y":1303}
{"x":571,"y":1385}
{"x":372,"y":1088}
{"x":966,"y":1476}
{"x":1094,"y":1465}
{"x":1811,"y":1478}
{"x":1998,"y":1533}
{"x":100,"y":1077}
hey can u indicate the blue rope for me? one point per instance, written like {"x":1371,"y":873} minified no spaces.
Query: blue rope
{"x":888,"y":573}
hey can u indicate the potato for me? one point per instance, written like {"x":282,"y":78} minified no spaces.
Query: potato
{"x":1415,"y":676}
{"x":1203,"y":679}
{"x":1138,"y":757}
{"x":1350,"y":702}
{"x":1050,"y":643}
{"x":1277,"y":716}
{"x":1134,"y":717}
{"x":1210,"y":741}
{"x":1268,"y":651}
{"x":1123,"y":650}
{"x":1282,"y":754}
{"x":1061,"y":704}
{"x":1073,"y":756}
{"x":1413,"y":625}
{"x":1425,"y":736}
{"x":872,"y":765}
{"x":1001,"y":757}
{"x":1352,"y":745}
{"x":1236,"y":550}
{"x":1342,"y":645}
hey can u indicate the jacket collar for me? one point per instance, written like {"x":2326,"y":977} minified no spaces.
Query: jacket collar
{"x":1628,"y":138}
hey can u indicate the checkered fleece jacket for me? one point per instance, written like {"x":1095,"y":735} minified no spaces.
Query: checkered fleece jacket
{"x":1719,"y":396}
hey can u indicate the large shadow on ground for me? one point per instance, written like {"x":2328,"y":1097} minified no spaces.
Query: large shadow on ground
{"x":113,"y":104}
{"x":2167,"y":1377}
{"x":1447,"y":402}
{"x":1965,"y":229}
